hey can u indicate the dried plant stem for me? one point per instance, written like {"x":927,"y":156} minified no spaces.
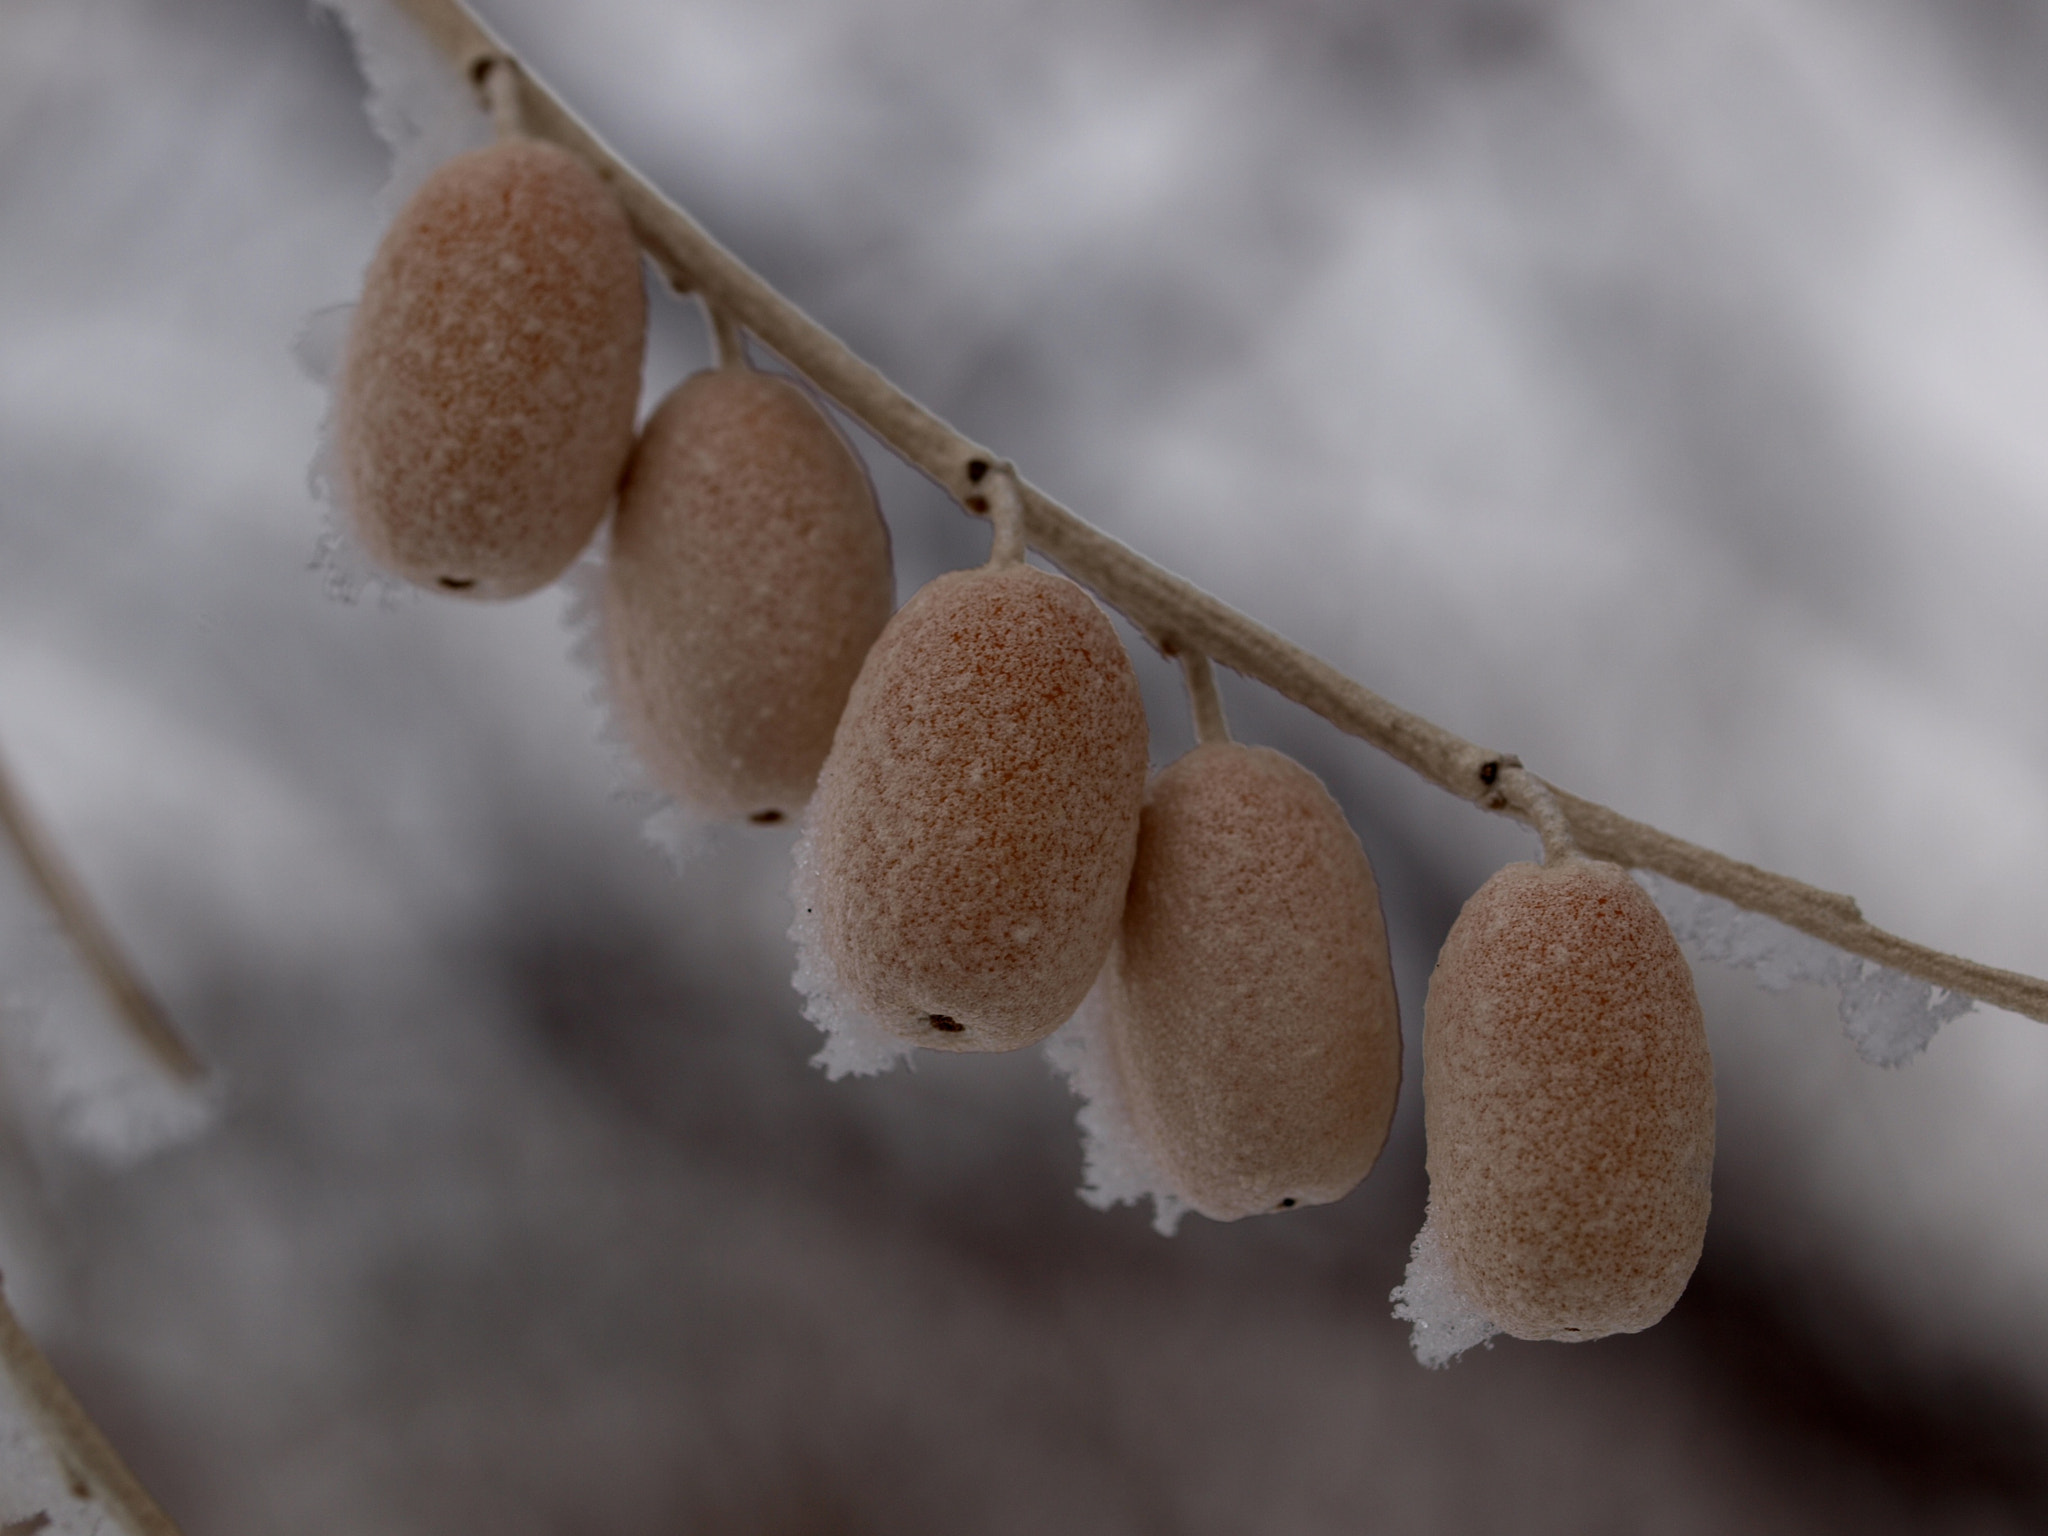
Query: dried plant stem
{"x":1005,"y":508}
{"x":77,"y":1441}
{"x":1203,"y":700}
{"x":91,"y":937}
{"x":1532,"y":795}
{"x":728,"y":340}
{"x":498,"y":80}
{"x":1173,"y":612}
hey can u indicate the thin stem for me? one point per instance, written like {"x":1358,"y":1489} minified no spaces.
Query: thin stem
{"x":1203,"y":699}
{"x":497,"y":78}
{"x":1005,"y":508}
{"x":1162,"y":604}
{"x":92,"y":939}
{"x":77,"y":1441}
{"x":1532,"y":800}
{"x":728,"y":339}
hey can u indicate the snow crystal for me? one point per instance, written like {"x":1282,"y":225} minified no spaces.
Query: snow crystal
{"x":418,"y":104}
{"x":854,"y":1043}
{"x":1888,"y":1016}
{"x":347,"y":573}
{"x":1116,"y":1166}
{"x":1446,"y":1322}
{"x":668,"y":825}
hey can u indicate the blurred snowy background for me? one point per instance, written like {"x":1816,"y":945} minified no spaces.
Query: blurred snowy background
{"x":1654,"y":390}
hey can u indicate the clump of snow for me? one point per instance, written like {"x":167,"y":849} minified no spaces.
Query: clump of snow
{"x":318,"y":347}
{"x":68,"y":1060}
{"x":854,"y":1043}
{"x":668,"y":825}
{"x":1888,"y":1016}
{"x":70,"y":1064}
{"x":1116,"y":1166}
{"x":418,"y":104}
{"x":1445,"y":1320}
{"x":427,"y":114}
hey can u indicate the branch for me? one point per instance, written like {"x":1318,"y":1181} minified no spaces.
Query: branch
{"x":1173,"y":613}
{"x":79,"y":1446}
{"x":94,"y":941}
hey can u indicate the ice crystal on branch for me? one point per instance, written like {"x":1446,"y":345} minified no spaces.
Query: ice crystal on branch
{"x":1888,"y":1016}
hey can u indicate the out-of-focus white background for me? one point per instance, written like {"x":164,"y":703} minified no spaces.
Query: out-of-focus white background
{"x":1653,"y":390}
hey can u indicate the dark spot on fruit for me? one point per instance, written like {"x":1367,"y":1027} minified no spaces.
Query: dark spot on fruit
{"x":458,"y":583}
{"x":1287,"y":1204}
{"x":765,"y":818}
{"x":945,"y":1025}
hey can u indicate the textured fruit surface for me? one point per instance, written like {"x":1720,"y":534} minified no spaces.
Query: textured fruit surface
{"x":975,"y":822}
{"x":485,"y":406}
{"x":1569,"y":1102}
{"x":1252,"y":1008}
{"x":748,"y":575}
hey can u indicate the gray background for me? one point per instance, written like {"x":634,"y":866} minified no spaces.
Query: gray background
{"x":1653,"y":390}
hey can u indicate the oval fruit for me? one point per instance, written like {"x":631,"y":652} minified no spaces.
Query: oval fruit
{"x":975,"y":823}
{"x":1569,"y":1101}
{"x":1251,"y":1004}
{"x":485,"y":406}
{"x":747,"y":577}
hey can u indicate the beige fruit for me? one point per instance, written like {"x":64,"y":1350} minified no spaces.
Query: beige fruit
{"x":748,"y":575}
{"x":486,"y":400}
{"x":1252,"y":1008}
{"x":1569,"y":1101}
{"x":974,"y":825}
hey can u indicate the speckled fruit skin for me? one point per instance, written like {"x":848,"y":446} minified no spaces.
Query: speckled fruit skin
{"x":975,"y":823}
{"x":1252,"y":1010}
{"x":486,"y":400}
{"x":748,"y":575}
{"x":1569,"y":1103}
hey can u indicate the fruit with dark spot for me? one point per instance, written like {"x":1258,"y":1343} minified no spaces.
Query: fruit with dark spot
{"x":748,"y":574}
{"x":1569,"y":1102}
{"x":485,"y":404}
{"x":975,"y":823}
{"x":1251,"y":995}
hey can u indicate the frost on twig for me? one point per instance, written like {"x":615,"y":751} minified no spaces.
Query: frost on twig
{"x":58,"y":1474}
{"x":1888,"y":1016}
{"x":36,"y":1492}
{"x":1116,"y":1166}
{"x":1444,"y":1321}
{"x":74,"y":1068}
{"x":71,"y":1070}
